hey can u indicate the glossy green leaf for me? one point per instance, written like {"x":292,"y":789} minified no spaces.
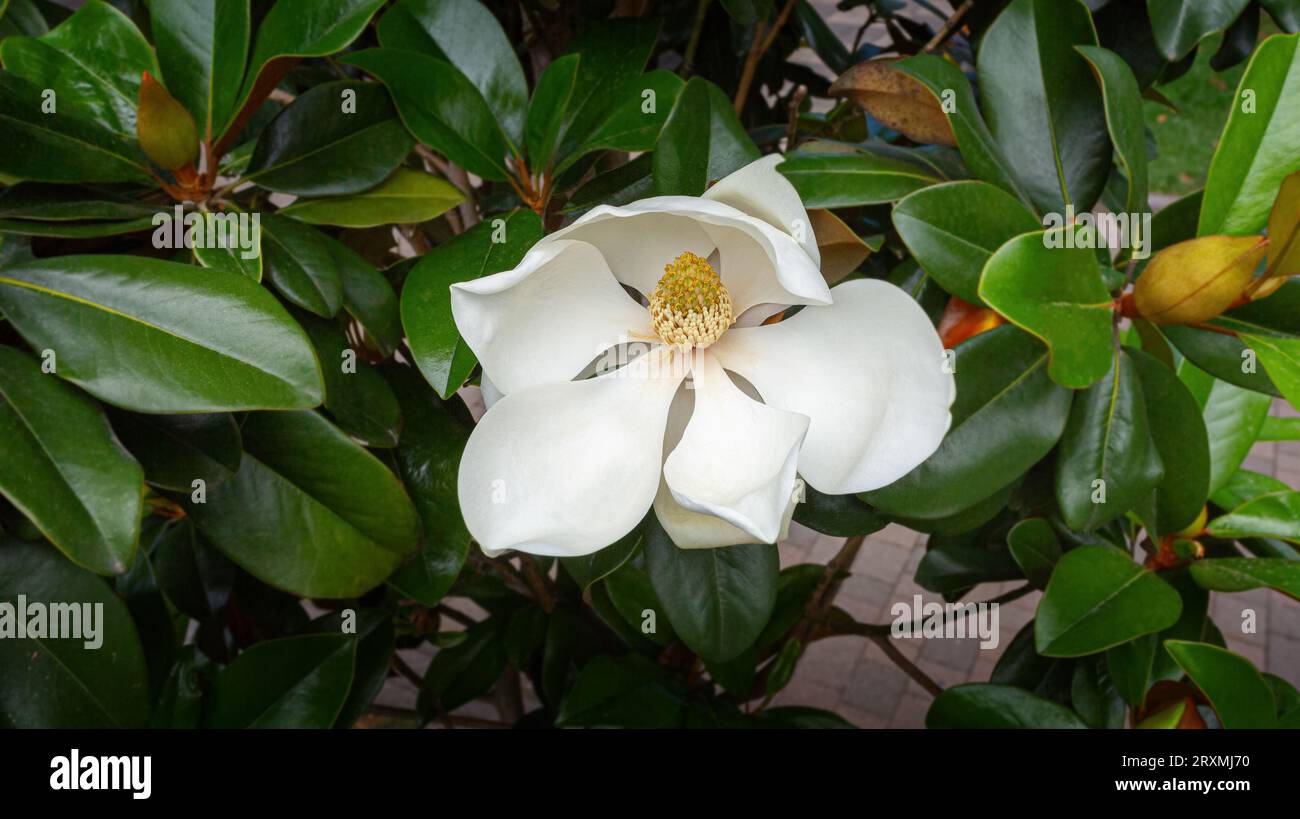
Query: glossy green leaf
{"x":60,"y":203}
{"x":293,"y":682}
{"x":702,"y":141}
{"x":309,"y":511}
{"x":92,"y":62}
{"x":441,"y":355}
{"x":1098,"y":598}
{"x":300,"y":263}
{"x":1042,"y":104}
{"x":464,"y":671}
{"x":1285,"y":12}
{"x":1123,"y":103}
{"x":356,"y":395}
{"x":368,"y":297}
{"x":50,"y":148}
{"x":980,"y":705}
{"x":302,"y":28}
{"x":587,"y":569}
{"x":546,"y":110}
{"x":376,"y":642}
{"x":1179,"y":25}
{"x":636,"y":120}
{"x":1233,"y":417}
{"x":980,"y":152}
{"x":196,"y":578}
{"x":176,"y":450}
{"x":1069,"y":310}
{"x":1108,"y":461}
{"x":337,"y":138}
{"x":1276,"y":514}
{"x":1257,"y":148}
{"x":454,"y":120}
{"x":1008,"y":415}
{"x":202,"y":47}
{"x":1246,"y":485}
{"x":844,"y":180}
{"x":837,"y":515}
{"x":152,"y":336}
{"x":952,"y":229}
{"x":466,"y":34}
{"x":717,"y":600}
{"x":614,"y":53}
{"x":1280,"y":356}
{"x":1178,"y":432}
{"x":1219,"y":355}
{"x":1130,"y":666}
{"x":1238,"y":693}
{"x":1094,"y":696}
{"x":1280,"y":429}
{"x":60,"y":683}
{"x":406,"y":197}
{"x":1035,"y":548}
{"x":428,"y":461}
{"x":244,"y":261}
{"x":22,"y":17}
{"x":62,"y":467}
{"x":626,"y":692}
{"x":1232,"y":574}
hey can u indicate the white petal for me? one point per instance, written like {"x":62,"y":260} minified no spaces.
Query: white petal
{"x":759,"y":263}
{"x":566,"y":469}
{"x":869,"y":373}
{"x":546,"y":319}
{"x":736,"y":459}
{"x":759,"y":190}
{"x":694,"y":530}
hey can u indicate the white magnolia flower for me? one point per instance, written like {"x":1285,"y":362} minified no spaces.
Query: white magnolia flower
{"x":715,"y":421}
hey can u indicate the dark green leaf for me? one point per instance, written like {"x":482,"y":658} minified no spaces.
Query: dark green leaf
{"x":1098,"y":598}
{"x":1123,"y":103}
{"x":356,"y":395}
{"x":300,"y":263}
{"x":201,"y":48}
{"x":977,"y":705}
{"x":1180,"y":24}
{"x":426,"y":297}
{"x":60,"y":683}
{"x":176,"y":450}
{"x":952,"y":229}
{"x":1007,"y":416}
{"x":293,"y":682}
{"x":837,"y":180}
{"x":702,"y":141}
{"x":717,"y":600}
{"x":1035,"y":548}
{"x":1178,"y":432}
{"x":1239,"y":695}
{"x":152,"y":336}
{"x":338,"y":138}
{"x":310,"y":511}
{"x":49,"y":433}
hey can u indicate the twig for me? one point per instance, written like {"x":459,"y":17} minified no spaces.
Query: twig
{"x":892,"y":652}
{"x":538,"y":584}
{"x":763,"y":39}
{"x":459,"y":617}
{"x":688,"y":58}
{"x":792,"y":130}
{"x":949,"y":26}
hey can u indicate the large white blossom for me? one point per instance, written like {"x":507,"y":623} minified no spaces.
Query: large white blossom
{"x":714,"y":414}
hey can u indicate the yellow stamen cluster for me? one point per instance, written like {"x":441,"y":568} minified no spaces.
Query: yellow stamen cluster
{"x":690,"y":307}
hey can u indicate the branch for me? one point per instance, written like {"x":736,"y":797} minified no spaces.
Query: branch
{"x":688,"y":57}
{"x":763,"y":39}
{"x":948,"y":27}
{"x":892,"y":652}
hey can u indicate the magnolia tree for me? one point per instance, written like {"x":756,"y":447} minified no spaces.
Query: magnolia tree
{"x":520,"y":332}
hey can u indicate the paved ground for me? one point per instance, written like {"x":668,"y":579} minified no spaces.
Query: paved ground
{"x":852,"y":676}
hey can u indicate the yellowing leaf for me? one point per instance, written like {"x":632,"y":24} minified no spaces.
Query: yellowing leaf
{"x":164,"y":129}
{"x":897,"y":100}
{"x":842,"y":250}
{"x":1196,"y":280}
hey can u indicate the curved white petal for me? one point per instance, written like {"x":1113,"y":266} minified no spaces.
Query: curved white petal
{"x":759,"y":263}
{"x":695,"y":530}
{"x":546,"y":319}
{"x":869,"y":373}
{"x":759,"y":190}
{"x":566,"y":469}
{"x":736,"y":458}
